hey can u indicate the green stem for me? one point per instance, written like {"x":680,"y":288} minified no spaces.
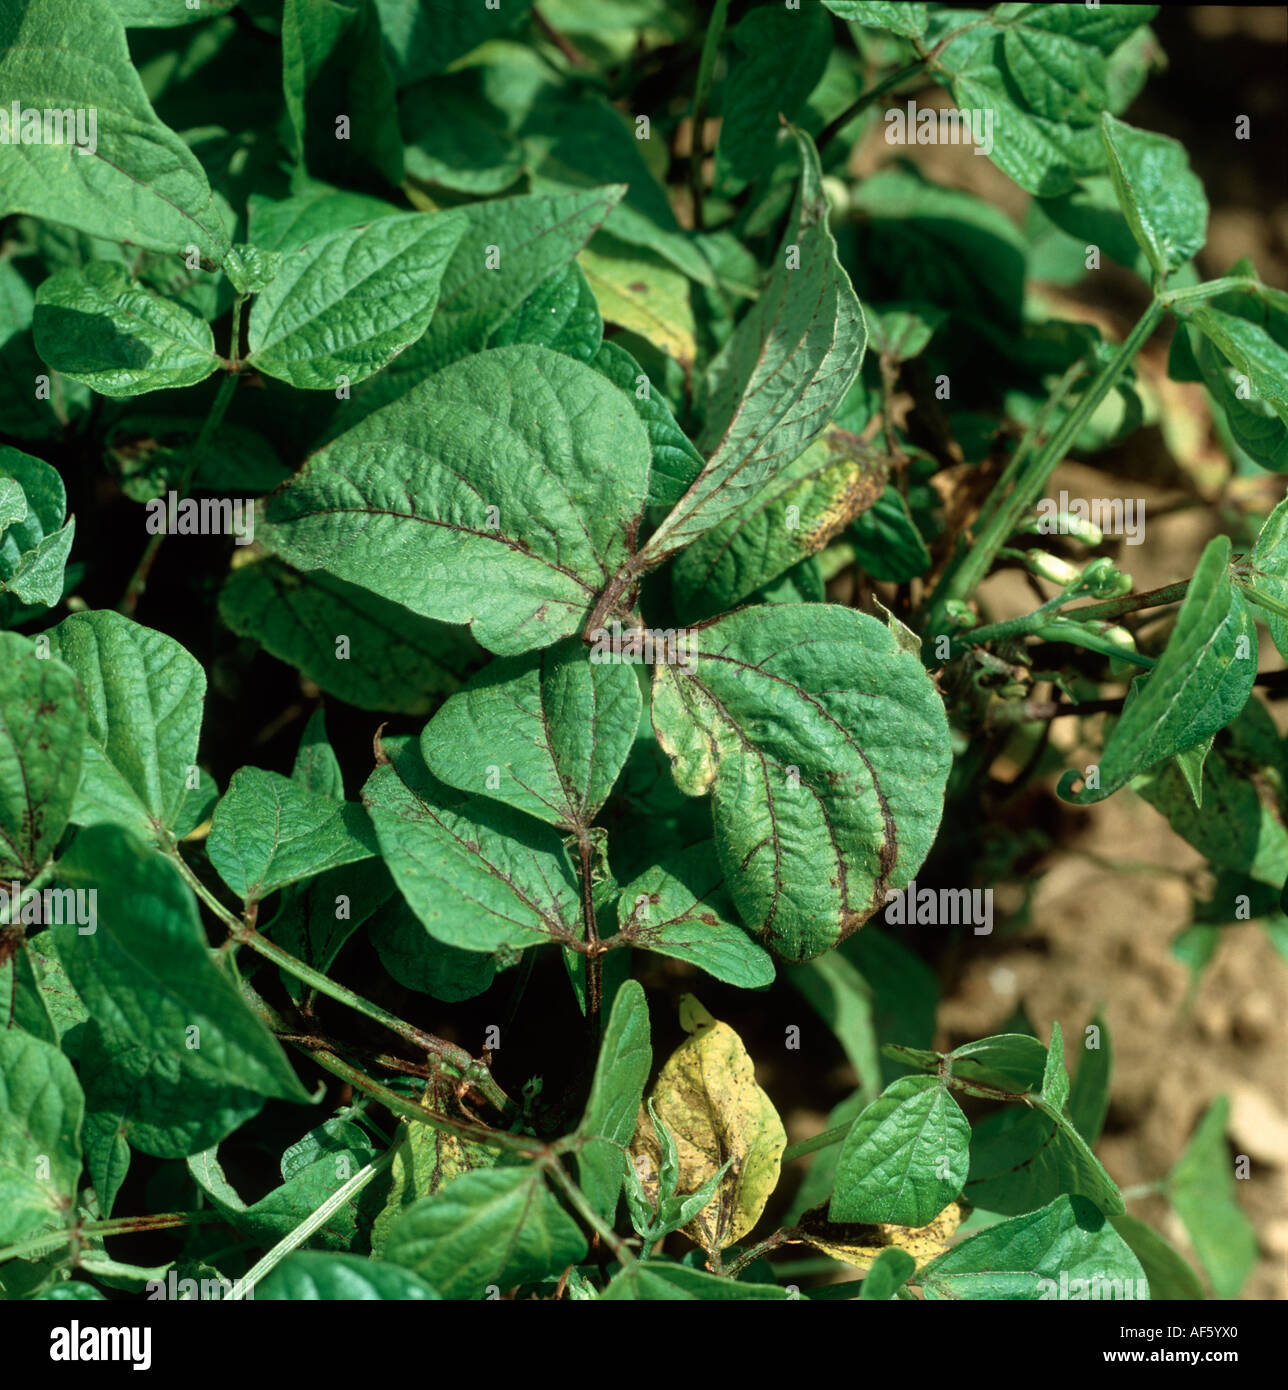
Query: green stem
{"x":1129,"y":603}
{"x":735,"y":1267}
{"x":819,"y":1141}
{"x":455,"y":1057}
{"x":139,"y":579}
{"x":706,"y":70}
{"x":588,"y":1214}
{"x":1212,"y":289}
{"x":117,"y":1226}
{"x":1004,"y":484}
{"x":860,"y":104}
{"x":977,"y":559}
{"x":314,"y":1221}
{"x":229,"y":919}
{"x":409,"y":1110}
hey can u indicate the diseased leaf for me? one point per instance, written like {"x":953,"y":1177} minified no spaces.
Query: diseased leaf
{"x":425,"y":1159}
{"x":100,"y":327}
{"x":478,"y":875}
{"x":639,"y":291}
{"x":269,"y":831}
{"x":546,"y":733}
{"x":792,"y":517}
{"x":607,"y":1127}
{"x":680,"y":909}
{"x":707,"y":1096}
{"x":1201,"y":682}
{"x":141,"y":183}
{"x":42,"y":741}
{"x":777,"y":381}
{"x":498,"y":1226}
{"x":824,"y":748}
{"x":502,"y":492}
{"x":905,"y":1158}
{"x":342,"y":307}
{"x":861,"y":1245}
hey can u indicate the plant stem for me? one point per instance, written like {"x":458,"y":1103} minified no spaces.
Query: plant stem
{"x":409,"y":1110}
{"x":1211,"y":289}
{"x":1129,"y":603}
{"x":569,"y":50}
{"x":974,"y":562}
{"x":117,"y":1226}
{"x":139,"y":579}
{"x":594,"y":956}
{"x":861,"y":103}
{"x":819,"y":1141}
{"x":314,"y":1221}
{"x":229,"y":919}
{"x":735,"y":1267}
{"x":455,"y":1057}
{"x":702,"y":92}
{"x":1004,"y":484}
{"x":588,"y":1214}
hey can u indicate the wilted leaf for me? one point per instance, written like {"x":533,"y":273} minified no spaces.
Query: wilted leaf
{"x":707,"y":1095}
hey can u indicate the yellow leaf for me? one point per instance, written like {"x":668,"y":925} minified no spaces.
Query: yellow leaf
{"x":644,"y":294}
{"x":707,"y":1096}
{"x":859,"y":1245}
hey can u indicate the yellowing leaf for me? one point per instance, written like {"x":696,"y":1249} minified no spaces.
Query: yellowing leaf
{"x":707,"y":1096}
{"x":859,"y":1245}
{"x":642,"y":293}
{"x":425,"y":1159}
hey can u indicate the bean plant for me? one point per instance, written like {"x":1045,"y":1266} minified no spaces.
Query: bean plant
{"x":497,"y":695}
